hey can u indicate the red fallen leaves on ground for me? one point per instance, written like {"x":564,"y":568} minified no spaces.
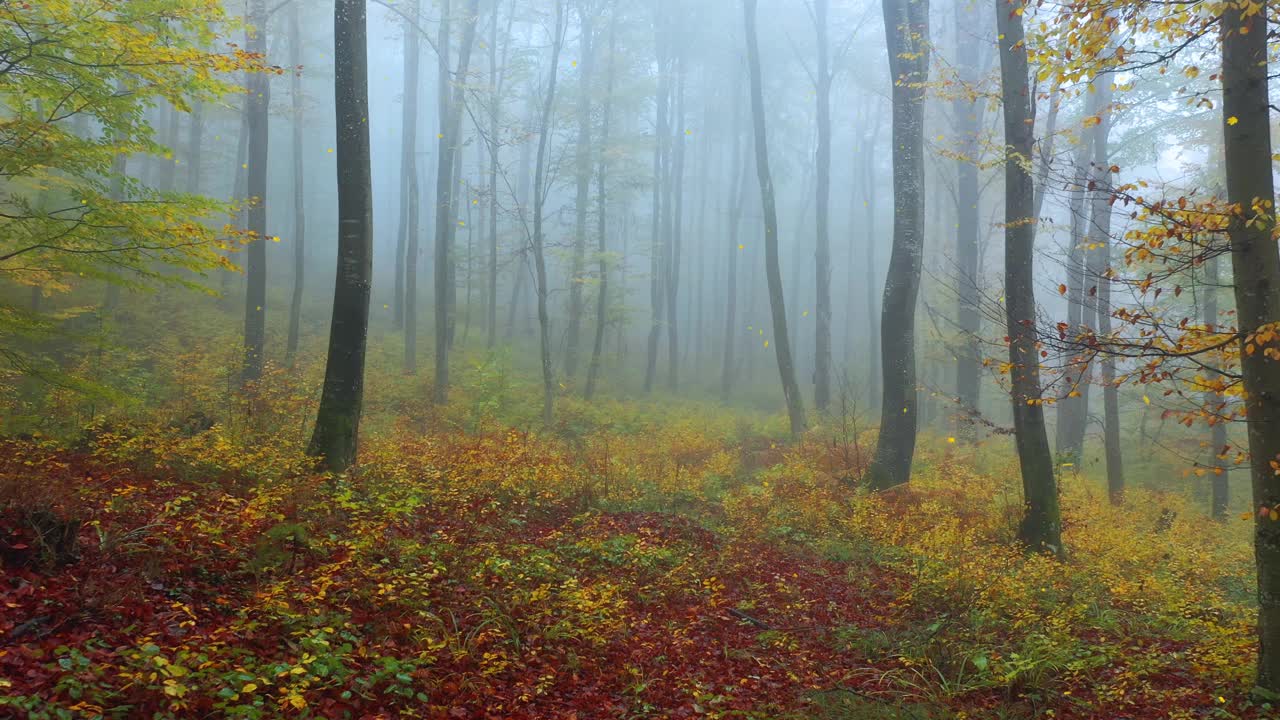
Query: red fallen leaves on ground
{"x":480,"y":606}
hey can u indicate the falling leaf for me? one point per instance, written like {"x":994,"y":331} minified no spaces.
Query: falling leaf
{"x":1146,"y":399}
{"x":1232,"y":120}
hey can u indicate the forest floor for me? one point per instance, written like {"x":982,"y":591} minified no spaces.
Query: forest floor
{"x":631,"y":567}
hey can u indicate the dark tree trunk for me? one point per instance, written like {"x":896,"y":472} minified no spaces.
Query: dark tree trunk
{"x":1256,"y":270}
{"x":1041,"y":527}
{"x":907,"y":32}
{"x":338,"y":420}
{"x":602,"y":206}
{"x":539,"y":200}
{"x":299,"y":187}
{"x":255,"y":298}
{"x":822,"y":255}
{"x":408,"y":161}
{"x":577,"y":270}
{"x":446,"y":210}
{"x":782,"y":343}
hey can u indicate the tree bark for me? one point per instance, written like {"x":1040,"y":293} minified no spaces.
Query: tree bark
{"x":675,"y":208}
{"x":822,"y":254}
{"x":255,"y":299}
{"x":1073,"y":410}
{"x":299,"y":189}
{"x":968,"y":112}
{"x":736,"y":204}
{"x":337,"y":423}
{"x":602,"y":206}
{"x":907,"y":33}
{"x":577,"y":270}
{"x":1100,"y":220}
{"x":408,"y":159}
{"x":1041,"y":527}
{"x":1256,"y":272}
{"x":539,"y":200}
{"x":1220,"y":496}
{"x":781,"y":341}
{"x":658,"y":251}
{"x":446,"y":210}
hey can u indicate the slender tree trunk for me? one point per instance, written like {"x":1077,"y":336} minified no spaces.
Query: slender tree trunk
{"x":675,"y":189}
{"x":1041,"y":527}
{"x":195,"y":157}
{"x":869,"y":269}
{"x":602,"y":206}
{"x":1100,"y":218}
{"x":822,"y":256}
{"x":577,"y":271}
{"x":969,"y":122}
{"x":782,"y":344}
{"x":255,"y":299}
{"x":736,"y":205}
{"x":1256,"y":271}
{"x":338,"y":420}
{"x":446,"y":211}
{"x":497,"y":79}
{"x":408,"y":157}
{"x":907,"y":29}
{"x":1073,"y":410}
{"x":539,"y":200}
{"x":299,"y":188}
{"x":657,"y":253}
{"x":1220,"y":496}
{"x":168,"y":177}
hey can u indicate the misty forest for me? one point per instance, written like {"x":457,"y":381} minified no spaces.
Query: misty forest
{"x":832,"y":359}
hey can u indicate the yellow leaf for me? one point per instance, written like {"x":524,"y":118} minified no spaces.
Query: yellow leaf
{"x":1146,"y":399}
{"x":951,"y":440}
{"x":248,"y":688}
{"x":1233,"y":120}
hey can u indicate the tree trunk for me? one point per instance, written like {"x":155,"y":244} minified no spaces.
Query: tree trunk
{"x":907,"y":32}
{"x":338,"y":420}
{"x":602,"y":294}
{"x":968,"y":115}
{"x":539,"y":200}
{"x":195,"y":158}
{"x":1041,"y":527}
{"x":1073,"y":410}
{"x":822,"y":255}
{"x":658,"y":251}
{"x":299,"y":188}
{"x":446,"y":166}
{"x":1256,"y":271}
{"x":736,"y":205}
{"x":1100,"y":220}
{"x":675,"y":208}
{"x":1220,"y":496}
{"x":577,"y":270}
{"x":255,"y":298}
{"x":408,"y":159}
{"x":781,"y":341}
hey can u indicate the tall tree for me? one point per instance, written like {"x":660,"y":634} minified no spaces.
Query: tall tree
{"x":1256,"y":268}
{"x":1073,"y":410}
{"x":1219,"y":489}
{"x":968,"y":111}
{"x":602,"y":207}
{"x":540,"y":191}
{"x":1100,"y":233}
{"x":781,"y":341}
{"x":299,"y":187}
{"x":408,"y":162}
{"x":657,"y":253}
{"x":906,"y":25}
{"x":578,"y":268}
{"x":673,"y":219}
{"x":1041,"y":527}
{"x":338,"y":420}
{"x":736,"y":204}
{"x":446,"y":170}
{"x":255,"y":299}
{"x":822,"y":255}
